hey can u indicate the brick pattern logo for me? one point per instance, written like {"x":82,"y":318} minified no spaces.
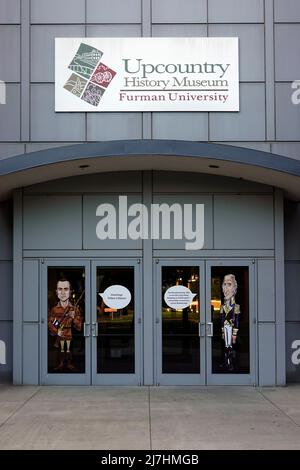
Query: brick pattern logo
{"x":90,"y":78}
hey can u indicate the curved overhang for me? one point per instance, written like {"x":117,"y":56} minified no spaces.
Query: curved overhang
{"x":171,"y":155}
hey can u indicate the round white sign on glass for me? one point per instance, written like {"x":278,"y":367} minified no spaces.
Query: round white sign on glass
{"x":116,"y":296}
{"x":178,"y":297}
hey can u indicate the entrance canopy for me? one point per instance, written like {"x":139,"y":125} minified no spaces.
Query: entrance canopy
{"x":171,"y":155}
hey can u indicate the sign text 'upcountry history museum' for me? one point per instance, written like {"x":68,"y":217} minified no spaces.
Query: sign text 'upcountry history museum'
{"x":146,"y":74}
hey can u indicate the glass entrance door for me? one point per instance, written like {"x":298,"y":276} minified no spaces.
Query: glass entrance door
{"x":116,"y":322}
{"x":205,"y":325}
{"x":230,"y":342}
{"x":65,"y":322}
{"x":180,"y":322}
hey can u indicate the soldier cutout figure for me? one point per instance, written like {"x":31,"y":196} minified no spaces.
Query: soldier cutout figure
{"x":61,"y":319}
{"x":230,"y":313}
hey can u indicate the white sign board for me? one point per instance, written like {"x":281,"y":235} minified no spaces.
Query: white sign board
{"x":116,"y":296}
{"x":146,"y":74}
{"x":178,"y":297}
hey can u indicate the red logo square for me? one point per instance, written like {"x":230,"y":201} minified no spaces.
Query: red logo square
{"x":103,"y":75}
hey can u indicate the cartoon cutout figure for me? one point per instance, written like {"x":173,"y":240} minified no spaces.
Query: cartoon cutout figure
{"x":61,"y":319}
{"x":230,"y":315}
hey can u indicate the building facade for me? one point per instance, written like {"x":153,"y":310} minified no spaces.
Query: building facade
{"x":173,"y":323}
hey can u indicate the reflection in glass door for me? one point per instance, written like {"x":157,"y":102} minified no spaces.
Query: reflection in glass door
{"x":229,"y":326}
{"x":116,"y":324}
{"x":180,"y":324}
{"x":65,"y":320}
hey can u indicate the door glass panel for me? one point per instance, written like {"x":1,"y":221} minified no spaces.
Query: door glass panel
{"x":115,"y":317}
{"x":180,"y":320}
{"x":66,"y":316}
{"x":230,"y":317}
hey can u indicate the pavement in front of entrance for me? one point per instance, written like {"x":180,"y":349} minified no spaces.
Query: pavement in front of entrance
{"x":149,"y":418}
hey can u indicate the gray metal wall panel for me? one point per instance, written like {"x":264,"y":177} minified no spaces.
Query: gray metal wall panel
{"x":266,"y":291}
{"x":292,"y":283}
{"x":243,"y":222}
{"x":10,"y":11}
{"x":114,"y":126}
{"x":30,"y":354}
{"x":57,"y":11}
{"x":292,"y":230}
{"x":52,"y":222}
{"x":179,"y":30}
{"x":6,"y":335}
{"x":114,"y":11}
{"x":286,"y":10}
{"x":186,"y":199}
{"x":10,"y":53}
{"x":173,"y":11}
{"x":6,"y":279}
{"x":248,"y":123}
{"x":48,"y":125}
{"x":287,"y":38}
{"x":266,"y":354}
{"x":123,"y":182}
{"x":287,"y":149}
{"x":292,"y":334}
{"x":10,"y":150}
{"x":30,"y":291}
{"x":90,"y":220}
{"x":10,"y":114}
{"x":6,"y":231}
{"x":113,"y":30}
{"x":180,"y":126}
{"x":287,"y":114}
{"x":236,"y":11}
{"x":173,"y":181}
{"x":251,"y":45}
{"x":43,"y":47}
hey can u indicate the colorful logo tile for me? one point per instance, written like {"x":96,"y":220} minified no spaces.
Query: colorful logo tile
{"x":103,"y":75}
{"x":75,"y":84}
{"x":85,"y":60}
{"x":90,"y":78}
{"x":93,"y":94}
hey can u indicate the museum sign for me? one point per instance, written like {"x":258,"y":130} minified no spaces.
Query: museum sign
{"x":146,"y":74}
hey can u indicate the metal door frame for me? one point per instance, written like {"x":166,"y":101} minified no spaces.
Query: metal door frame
{"x":233,"y":379}
{"x":62,"y":379}
{"x":119,"y":379}
{"x":177,"y":379}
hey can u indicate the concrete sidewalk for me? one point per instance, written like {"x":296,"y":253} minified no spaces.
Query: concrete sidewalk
{"x":149,"y":418}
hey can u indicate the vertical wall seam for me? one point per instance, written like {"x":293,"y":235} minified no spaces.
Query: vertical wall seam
{"x":25,"y":71}
{"x":269,"y":70}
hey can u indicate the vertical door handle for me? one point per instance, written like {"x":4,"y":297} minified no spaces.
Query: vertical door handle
{"x":201,"y":329}
{"x":95,"y":329}
{"x":209,"y":329}
{"x":86,"y":329}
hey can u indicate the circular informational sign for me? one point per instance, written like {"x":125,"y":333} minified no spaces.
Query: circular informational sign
{"x":116,"y":296}
{"x":178,"y":297}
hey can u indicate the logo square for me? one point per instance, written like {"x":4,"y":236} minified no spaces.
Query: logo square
{"x":93,"y":94}
{"x":103,"y":75}
{"x":75,"y":84}
{"x":85,"y":60}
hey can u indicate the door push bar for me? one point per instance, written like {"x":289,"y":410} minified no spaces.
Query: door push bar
{"x":95,"y":329}
{"x":87,"y":327}
{"x":209,"y":329}
{"x":206,"y":329}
